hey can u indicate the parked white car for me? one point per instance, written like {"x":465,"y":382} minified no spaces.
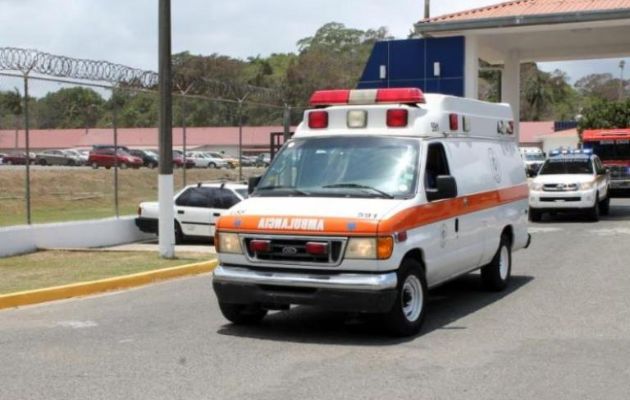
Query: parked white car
{"x":196,"y":209}
{"x":570,"y":182}
{"x":205,"y":160}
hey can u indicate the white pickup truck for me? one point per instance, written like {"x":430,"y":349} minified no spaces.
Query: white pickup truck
{"x":196,"y":209}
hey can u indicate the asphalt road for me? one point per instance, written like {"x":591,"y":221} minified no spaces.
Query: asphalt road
{"x":562,"y":331}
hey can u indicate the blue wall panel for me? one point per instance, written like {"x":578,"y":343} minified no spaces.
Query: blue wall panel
{"x":410,"y":64}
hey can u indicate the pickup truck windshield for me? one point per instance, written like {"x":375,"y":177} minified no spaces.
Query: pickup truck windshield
{"x":357,"y":166}
{"x":559,"y":166}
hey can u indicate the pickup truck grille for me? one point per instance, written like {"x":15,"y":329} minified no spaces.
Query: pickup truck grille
{"x":292,"y":250}
{"x":560,"y":187}
{"x":617,"y":172}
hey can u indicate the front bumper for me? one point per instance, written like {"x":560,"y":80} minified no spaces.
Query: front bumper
{"x":147,"y":225}
{"x":580,"y":199}
{"x":351,"y":292}
{"x":619,"y":184}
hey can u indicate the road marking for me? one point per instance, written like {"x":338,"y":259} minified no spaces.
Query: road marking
{"x":611,"y":231}
{"x":543,"y":229}
{"x":77,"y":324}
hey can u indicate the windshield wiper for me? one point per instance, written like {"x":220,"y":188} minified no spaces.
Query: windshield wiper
{"x":287,"y":188}
{"x":358,"y":186}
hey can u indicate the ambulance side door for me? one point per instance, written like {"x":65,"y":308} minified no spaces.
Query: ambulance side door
{"x":441,"y":246}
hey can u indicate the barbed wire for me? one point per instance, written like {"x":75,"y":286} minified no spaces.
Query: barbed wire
{"x":28,"y":61}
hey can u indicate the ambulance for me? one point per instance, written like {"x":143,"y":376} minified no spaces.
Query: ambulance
{"x":379,"y":196}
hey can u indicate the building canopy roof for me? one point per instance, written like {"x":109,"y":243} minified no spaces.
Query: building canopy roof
{"x":532,"y":7}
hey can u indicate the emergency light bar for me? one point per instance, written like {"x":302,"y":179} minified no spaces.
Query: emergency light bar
{"x":367,"y":96}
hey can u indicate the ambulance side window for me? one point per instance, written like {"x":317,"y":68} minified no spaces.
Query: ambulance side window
{"x":436,"y":165}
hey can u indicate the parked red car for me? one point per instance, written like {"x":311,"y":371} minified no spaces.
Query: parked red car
{"x":106,"y":157}
{"x":178,"y":161}
{"x":17,"y":159}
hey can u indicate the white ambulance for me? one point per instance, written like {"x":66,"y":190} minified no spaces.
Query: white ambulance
{"x":380,"y":196}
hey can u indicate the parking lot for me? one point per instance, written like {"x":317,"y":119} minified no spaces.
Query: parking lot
{"x":562,"y":331}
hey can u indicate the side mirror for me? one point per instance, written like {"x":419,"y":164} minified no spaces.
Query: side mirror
{"x":252,"y":183}
{"x":446,"y":188}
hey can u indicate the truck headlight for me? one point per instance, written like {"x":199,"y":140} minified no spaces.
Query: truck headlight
{"x":370,"y":248}
{"x":228,"y":243}
{"x":587,"y":185}
{"x":535,"y":186}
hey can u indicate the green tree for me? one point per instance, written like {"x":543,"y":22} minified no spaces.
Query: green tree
{"x":76,"y":107}
{"x":604,"y":114}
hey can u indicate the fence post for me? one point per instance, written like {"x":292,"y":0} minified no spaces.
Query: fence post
{"x":184,"y":144}
{"x":286,"y":122}
{"x":27,"y":146}
{"x":115,"y":127}
{"x":240,"y":140}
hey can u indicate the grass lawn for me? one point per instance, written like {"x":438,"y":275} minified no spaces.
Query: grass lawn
{"x":52,"y":268}
{"x":83,"y":193}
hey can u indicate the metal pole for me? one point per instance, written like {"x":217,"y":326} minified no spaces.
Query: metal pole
{"x":115,"y":126}
{"x":184,"y":137}
{"x":27,"y":145}
{"x":286,"y":122}
{"x":427,"y":9}
{"x":165,"y":180}
{"x":622,"y":65}
{"x":240,"y":140}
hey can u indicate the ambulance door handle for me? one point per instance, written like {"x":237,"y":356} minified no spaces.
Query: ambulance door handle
{"x":457,"y":225}
{"x":216,"y":214}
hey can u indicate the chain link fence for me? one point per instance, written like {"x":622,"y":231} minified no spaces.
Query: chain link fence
{"x":74,"y":150}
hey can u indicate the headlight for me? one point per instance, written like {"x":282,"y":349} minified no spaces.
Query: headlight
{"x":587,"y":185}
{"x":370,"y":248}
{"x":535,"y":186}
{"x":228,"y":243}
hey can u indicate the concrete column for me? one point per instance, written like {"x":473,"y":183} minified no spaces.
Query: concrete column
{"x":471,"y":68}
{"x":511,"y":87}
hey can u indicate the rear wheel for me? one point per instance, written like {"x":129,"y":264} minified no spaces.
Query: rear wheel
{"x":604,"y":206}
{"x":496,"y":275}
{"x":242,"y":314}
{"x":179,"y":234}
{"x":534,"y":215}
{"x":212,"y":165}
{"x":43,"y":162}
{"x":406,"y":316}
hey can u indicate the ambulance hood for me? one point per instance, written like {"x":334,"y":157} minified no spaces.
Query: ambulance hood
{"x":309,"y":214}
{"x":372,"y":209}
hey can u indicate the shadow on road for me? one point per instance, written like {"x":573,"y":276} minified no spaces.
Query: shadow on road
{"x":302,"y":324}
{"x":618,"y":212}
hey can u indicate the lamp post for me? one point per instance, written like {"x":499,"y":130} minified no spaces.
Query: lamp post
{"x":622,"y":65}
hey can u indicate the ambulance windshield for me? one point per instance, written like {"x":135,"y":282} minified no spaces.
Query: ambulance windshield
{"x":357,"y":166}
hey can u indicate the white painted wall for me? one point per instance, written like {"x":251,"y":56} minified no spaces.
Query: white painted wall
{"x":552,"y":143}
{"x":79,"y":234}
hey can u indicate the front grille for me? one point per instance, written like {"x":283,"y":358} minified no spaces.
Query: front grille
{"x":619,"y":172}
{"x":552,"y":199}
{"x":560,"y":187}
{"x":292,"y":250}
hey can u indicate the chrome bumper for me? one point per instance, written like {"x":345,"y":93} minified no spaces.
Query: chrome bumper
{"x":342,"y":281}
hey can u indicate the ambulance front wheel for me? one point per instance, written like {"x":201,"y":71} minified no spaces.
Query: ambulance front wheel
{"x":496,"y":275}
{"x":242,"y":314}
{"x":407,"y":314}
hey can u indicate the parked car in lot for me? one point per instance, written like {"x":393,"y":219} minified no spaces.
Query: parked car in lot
{"x":533,"y":157}
{"x":80,"y":154}
{"x":2,"y":155}
{"x":178,"y":160}
{"x":570,"y":182}
{"x":57,"y":157}
{"x":248,"y":161}
{"x":18,"y":158}
{"x":206,"y":160}
{"x":263,"y":160}
{"x":196,"y":209}
{"x":231,"y":161}
{"x":106,"y":156}
{"x":149,"y":159}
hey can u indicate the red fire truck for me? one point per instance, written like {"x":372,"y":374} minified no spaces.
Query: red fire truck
{"x":613,"y":148}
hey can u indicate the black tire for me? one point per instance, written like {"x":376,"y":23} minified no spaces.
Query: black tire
{"x":412,"y":287}
{"x":71,"y":163}
{"x":212,"y":165}
{"x":94,"y":165}
{"x":43,"y":162}
{"x":242,"y":314}
{"x":495,"y":276}
{"x":604,"y":206}
{"x":593,"y":212}
{"x":153,"y":165}
{"x":534,"y":215}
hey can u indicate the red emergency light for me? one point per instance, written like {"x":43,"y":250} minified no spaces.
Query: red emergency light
{"x":367,"y":96}
{"x":317,"y":248}
{"x":260,"y":246}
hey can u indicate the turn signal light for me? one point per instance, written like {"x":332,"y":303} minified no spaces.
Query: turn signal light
{"x":385,"y":247}
{"x":318,"y":119}
{"x":397,"y":118}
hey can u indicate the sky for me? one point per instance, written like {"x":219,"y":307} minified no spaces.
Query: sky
{"x":125,"y":31}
